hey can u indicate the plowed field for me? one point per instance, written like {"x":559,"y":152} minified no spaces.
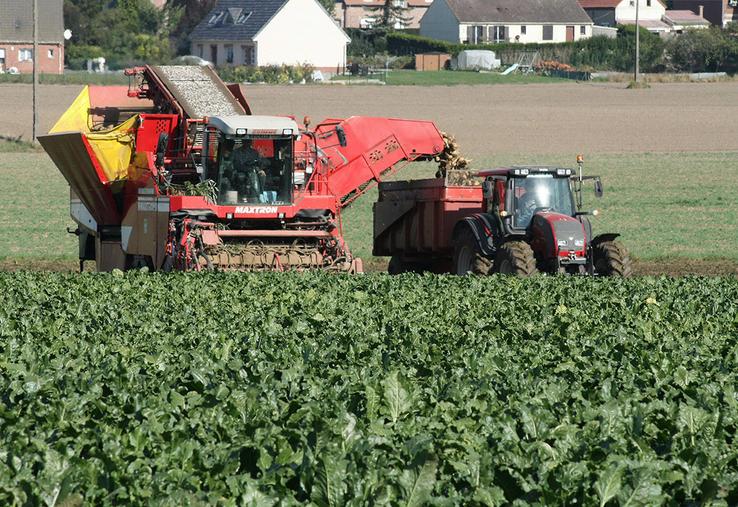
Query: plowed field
{"x":516,"y":119}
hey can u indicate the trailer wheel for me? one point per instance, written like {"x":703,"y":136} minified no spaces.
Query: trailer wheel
{"x":515,"y":258}
{"x":611,"y":258}
{"x":396,"y":266}
{"x":468,"y":258}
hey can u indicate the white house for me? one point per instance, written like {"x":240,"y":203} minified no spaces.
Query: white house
{"x":524,"y":21}
{"x":270,"y":32}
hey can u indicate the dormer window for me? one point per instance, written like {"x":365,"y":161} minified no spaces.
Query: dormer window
{"x":215,"y":18}
{"x":243,"y":17}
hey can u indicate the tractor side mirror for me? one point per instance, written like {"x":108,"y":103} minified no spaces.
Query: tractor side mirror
{"x":598,"y":187}
{"x":341,"y":136}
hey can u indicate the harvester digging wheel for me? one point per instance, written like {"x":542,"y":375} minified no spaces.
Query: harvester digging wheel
{"x":515,"y":258}
{"x":611,"y":258}
{"x":468,"y":259}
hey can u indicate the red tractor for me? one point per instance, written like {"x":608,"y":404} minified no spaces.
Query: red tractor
{"x":522,"y":220}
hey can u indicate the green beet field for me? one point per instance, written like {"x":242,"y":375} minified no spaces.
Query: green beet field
{"x":273,"y":389}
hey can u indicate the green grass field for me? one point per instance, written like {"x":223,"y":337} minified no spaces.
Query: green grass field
{"x":678,"y":205}
{"x":450,"y":78}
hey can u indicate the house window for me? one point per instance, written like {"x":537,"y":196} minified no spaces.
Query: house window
{"x":243,"y":17}
{"x":497,"y":33}
{"x":214,"y":53}
{"x":548,"y":32}
{"x":248,"y":55}
{"x":523,"y":29}
{"x":648,"y":3}
{"x":25,"y":55}
{"x":51,"y":53}
{"x":2,"y":58}
{"x":229,"y":53}
{"x":200,"y":51}
{"x":582,"y":30}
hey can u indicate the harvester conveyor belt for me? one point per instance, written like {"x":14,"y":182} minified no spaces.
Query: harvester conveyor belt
{"x":198,"y":90}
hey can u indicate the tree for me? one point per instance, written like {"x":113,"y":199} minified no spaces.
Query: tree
{"x":122,"y":31}
{"x":392,"y":14}
{"x":329,"y":5}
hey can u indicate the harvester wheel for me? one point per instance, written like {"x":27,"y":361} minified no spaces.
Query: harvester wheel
{"x":515,"y":258}
{"x":468,"y":258}
{"x":611,"y":258}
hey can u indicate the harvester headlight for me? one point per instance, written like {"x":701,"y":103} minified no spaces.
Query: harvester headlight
{"x":563,"y":242}
{"x":229,"y":216}
{"x":287,"y":132}
{"x":578,"y":242}
{"x":563,"y":172}
{"x":241,"y":132}
{"x":595,"y":212}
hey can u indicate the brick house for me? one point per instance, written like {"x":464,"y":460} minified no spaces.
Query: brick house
{"x":16,"y":36}
{"x":362,"y":13}
{"x":652,"y":15}
{"x":717,"y":12}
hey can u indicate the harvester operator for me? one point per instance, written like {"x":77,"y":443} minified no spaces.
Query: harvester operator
{"x":248,"y":169}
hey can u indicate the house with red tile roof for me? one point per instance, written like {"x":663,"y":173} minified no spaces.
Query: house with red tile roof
{"x":717,"y":12}
{"x":652,"y":15}
{"x":364,"y":13}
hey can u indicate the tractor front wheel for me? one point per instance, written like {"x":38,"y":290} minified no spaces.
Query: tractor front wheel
{"x":611,"y":258}
{"x":468,"y":258}
{"x":515,"y":258}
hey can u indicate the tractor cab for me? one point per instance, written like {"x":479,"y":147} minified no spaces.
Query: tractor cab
{"x":250,"y":159}
{"x":518,"y":193}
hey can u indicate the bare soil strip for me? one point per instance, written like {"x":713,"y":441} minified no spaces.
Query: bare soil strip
{"x":517,"y":119}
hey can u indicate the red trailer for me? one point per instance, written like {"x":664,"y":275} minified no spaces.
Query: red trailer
{"x":520,"y":220}
{"x":414,"y":222}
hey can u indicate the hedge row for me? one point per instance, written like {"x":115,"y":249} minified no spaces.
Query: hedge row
{"x":596,"y":52}
{"x":713,"y":49}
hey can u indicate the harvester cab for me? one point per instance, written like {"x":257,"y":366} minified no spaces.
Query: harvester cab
{"x":534,"y":221}
{"x":250,"y":159}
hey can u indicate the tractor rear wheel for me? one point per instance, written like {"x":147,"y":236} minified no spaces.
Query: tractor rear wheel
{"x":515,"y":258}
{"x":468,"y":258}
{"x":611,"y":258}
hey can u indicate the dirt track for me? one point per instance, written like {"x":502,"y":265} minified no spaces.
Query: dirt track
{"x":544,"y":118}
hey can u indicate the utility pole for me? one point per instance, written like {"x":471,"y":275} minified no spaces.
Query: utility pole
{"x":638,"y":45}
{"x":35,"y":67}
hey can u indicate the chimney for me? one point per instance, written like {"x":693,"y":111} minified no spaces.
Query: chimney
{"x":702,"y":11}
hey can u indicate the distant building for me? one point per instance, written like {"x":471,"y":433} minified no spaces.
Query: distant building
{"x":717,"y":12}
{"x":16,"y":36}
{"x":270,"y":32}
{"x":652,"y":15}
{"x":364,"y":13}
{"x":159,"y":4}
{"x":524,"y":21}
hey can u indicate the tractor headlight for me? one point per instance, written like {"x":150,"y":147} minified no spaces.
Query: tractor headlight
{"x":240,"y":132}
{"x":578,"y":242}
{"x":563,"y":242}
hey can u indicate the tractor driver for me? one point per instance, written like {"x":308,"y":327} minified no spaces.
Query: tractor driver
{"x":527,"y":203}
{"x":248,"y":170}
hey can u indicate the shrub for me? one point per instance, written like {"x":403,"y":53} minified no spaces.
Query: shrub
{"x":702,"y":50}
{"x":273,"y":74}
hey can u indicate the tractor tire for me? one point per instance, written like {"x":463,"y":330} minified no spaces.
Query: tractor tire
{"x":611,"y":258}
{"x":468,"y":258}
{"x":515,"y":258}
